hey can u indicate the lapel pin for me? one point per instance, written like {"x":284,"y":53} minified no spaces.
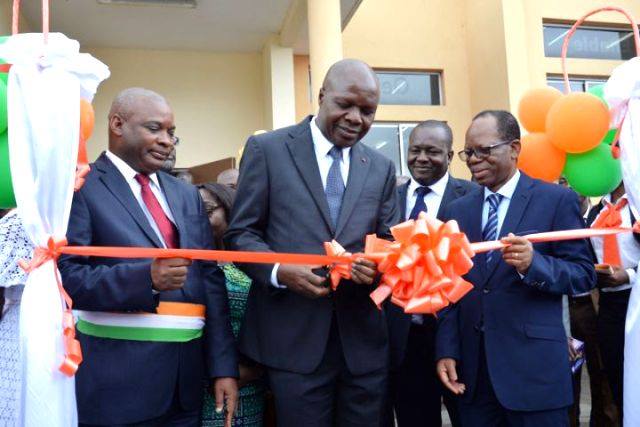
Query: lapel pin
{"x":364,"y":159}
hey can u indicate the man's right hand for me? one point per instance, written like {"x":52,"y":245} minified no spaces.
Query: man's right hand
{"x":446,"y":369}
{"x":302,"y":280}
{"x":169,"y":274}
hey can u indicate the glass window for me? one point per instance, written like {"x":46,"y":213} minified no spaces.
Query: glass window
{"x":577,"y":85}
{"x":589,"y":42}
{"x":391,"y":140}
{"x":409,"y":88}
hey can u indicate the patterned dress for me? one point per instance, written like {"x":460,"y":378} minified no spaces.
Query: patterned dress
{"x":251,"y":402}
{"x":14,"y":246}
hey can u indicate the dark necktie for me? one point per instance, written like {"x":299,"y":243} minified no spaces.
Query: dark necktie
{"x":165,"y":226}
{"x":490,"y":230}
{"x":335,"y":185}
{"x":420,"y":205}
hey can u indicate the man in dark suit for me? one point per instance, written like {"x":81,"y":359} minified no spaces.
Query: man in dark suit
{"x":130,"y":375}
{"x":614,"y":285}
{"x":415,"y":392}
{"x":505,"y":338}
{"x":326,"y":352}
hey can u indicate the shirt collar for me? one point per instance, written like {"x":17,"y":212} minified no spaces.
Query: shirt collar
{"x":507,"y":190}
{"x":437,"y":187}
{"x":127,"y":171}
{"x":321,"y":144}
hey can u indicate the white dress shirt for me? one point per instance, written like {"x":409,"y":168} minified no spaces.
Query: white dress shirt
{"x":129,"y":175}
{"x":432,"y":199}
{"x":627,"y":246}
{"x":506,"y":191}
{"x":321,"y":146}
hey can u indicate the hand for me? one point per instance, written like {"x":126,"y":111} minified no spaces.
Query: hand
{"x":617,"y":278}
{"x":518,"y":254}
{"x":446,"y":369}
{"x":364,"y":271}
{"x":300,"y":279}
{"x":225,"y":391}
{"x":573,"y":353}
{"x":248,"y":374}
{"x":168,"y":274}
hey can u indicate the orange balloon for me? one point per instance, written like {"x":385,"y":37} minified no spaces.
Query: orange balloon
{"x":539,"y":158}
{"x":535,"y":105}
{"x":577,"y":122}
{"x":87,"y":119}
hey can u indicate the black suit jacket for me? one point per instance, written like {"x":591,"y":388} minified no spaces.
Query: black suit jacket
{"x":122,"y":381}
{"x":281,"y":206}
{"x":399,"y":322}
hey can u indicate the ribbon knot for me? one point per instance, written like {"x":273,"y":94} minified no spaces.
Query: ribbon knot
{"x":610,"y":217}
{"x":44,"y":254}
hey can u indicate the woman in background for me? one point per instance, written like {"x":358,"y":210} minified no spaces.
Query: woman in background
{"x":218,"y":200}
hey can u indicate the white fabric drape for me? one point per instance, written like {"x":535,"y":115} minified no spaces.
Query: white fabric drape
{"x":622,"y":92}
{"x":45,"y":86}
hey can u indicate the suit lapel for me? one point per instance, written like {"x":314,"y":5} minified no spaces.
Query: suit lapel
{"x":451,"y":192}
{"x":519,"y":202}
{"x":174,"y":200}
{"x":402,"y":194}
{"x":304,"y":157}
{"x":117,"y":185}
{"x":358,"y":169}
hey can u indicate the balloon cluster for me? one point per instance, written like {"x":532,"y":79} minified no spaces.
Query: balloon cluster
{"x":569,"y":136}
{"x":87,"y":120}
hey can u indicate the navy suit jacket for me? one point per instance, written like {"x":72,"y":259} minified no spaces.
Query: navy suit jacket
{"x":520,"y":320}
{"x":281,"y":206}
{"x":399,"y":322}
{"x":124,"y":381}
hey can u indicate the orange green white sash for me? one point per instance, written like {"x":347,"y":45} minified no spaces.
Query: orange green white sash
{"x":173,"y":322}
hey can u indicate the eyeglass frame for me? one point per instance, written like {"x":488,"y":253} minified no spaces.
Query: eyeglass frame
{"x":465,"y":156}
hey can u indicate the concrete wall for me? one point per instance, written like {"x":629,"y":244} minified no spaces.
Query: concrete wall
{"x":217,"y":98}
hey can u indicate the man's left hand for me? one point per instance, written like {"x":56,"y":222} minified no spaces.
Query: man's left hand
{"x":519,"y":253}
{"x":225,"y":391}
{"x":364,"y":271}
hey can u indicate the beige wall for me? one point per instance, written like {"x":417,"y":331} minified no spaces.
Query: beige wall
{"x":422,"y":35}
{"x":217,"y":98}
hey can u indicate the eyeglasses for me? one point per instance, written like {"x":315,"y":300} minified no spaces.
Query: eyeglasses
{"x":481,"y":153}
{"x":175,"y":140}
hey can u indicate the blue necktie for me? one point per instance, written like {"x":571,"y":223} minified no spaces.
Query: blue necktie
{"x":335,"y":185}
{"x":490,"y":230}
{"x":420,"y":205}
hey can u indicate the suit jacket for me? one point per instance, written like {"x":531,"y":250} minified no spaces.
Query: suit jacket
{"x":281,"y":206}
{"x":519,"y":319}
{"x":124,"y":381}
{"x":399,"y":322}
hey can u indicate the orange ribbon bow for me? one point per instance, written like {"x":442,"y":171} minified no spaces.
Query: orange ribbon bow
{"x":610,"y":217}
{"x":72,"y":350}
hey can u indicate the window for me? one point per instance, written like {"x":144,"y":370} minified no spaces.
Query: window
{"x":577,"y":85}
{"x":392,"y":141}
{"x":589,"y":42}
{"x":410,"y":88}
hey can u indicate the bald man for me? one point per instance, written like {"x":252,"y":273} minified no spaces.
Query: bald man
{"x":326,"y":352}
{"x":142,"y":365}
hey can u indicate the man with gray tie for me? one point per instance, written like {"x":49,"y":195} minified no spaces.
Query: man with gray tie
{"x":415,"y":393}
{"x":326,"y":353}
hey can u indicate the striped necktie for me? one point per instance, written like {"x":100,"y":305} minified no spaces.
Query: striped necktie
{"x":490,"y":230}
{"x":335,"y":185}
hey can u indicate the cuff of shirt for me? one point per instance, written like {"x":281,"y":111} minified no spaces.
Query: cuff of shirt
{"x":632,"y":275}
{"x":274,"y":277}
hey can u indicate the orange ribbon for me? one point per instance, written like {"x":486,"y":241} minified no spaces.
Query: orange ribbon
{"x":341,"y":270}
{"x":610,"y":217}
{"x":72,"y":350}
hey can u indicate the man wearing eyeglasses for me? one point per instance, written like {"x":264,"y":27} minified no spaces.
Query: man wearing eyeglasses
{"x":503,"y":347}
{"x":415,"y":392}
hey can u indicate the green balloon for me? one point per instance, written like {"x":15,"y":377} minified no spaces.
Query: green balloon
{"x":609,"y":136}
{"x":4,"y":76}
{"x":593,"y":173}
{"x":598,"y":90}
{"x":4,"y":120}
{"x":7,"y":196}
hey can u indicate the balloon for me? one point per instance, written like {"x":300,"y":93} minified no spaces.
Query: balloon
{"x":577,"y":122}
{"x":535,"y":105}
{"x":598,"y":91}
{"x":609,"y":137}
{"x":3,"y":107}
{"x":7,"y":197}
{"x":4,"y":76}
{"x":594,"y":173}
{"x":87,"y":119}
{"x":541,"y":159}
